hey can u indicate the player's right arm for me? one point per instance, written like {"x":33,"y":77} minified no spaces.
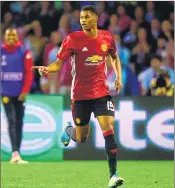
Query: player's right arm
{"x":65,"y":51}
{"x":55,"y":66}
{"x":115,"y":61}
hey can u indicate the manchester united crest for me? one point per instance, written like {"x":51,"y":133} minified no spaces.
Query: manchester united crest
{"x":104,"y":47}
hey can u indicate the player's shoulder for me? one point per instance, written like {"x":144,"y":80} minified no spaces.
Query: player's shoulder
{"x":106,"y":33}
{"x":75,"y":35}
{"x":22,"y":49}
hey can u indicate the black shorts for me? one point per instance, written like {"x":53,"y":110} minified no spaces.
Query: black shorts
{"x":81,"y":110}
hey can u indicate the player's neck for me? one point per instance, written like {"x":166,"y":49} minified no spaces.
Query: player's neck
{"x":92,"y":33}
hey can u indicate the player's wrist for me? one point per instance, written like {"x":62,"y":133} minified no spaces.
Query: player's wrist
{"x":54,"y":67}
{"x":51,"y":68}
{"x":48,"y":68}
{"x":119,"y":78}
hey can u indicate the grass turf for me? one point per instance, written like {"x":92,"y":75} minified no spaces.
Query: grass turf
{"x":86,"y":174}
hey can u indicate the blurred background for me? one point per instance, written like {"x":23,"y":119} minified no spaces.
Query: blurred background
{"x":141,"y":30}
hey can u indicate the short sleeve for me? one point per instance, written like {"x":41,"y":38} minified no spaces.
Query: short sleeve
{"x":112,"y":49}
{"x":66,"y":49}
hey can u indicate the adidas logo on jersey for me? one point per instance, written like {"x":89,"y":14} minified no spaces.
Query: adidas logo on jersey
{"x":84,"y":49}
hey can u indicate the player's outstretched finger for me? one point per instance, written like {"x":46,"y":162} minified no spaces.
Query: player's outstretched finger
{"x":36,"y":67}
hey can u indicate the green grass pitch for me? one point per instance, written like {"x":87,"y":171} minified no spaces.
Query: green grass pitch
{"x":87,"y":174}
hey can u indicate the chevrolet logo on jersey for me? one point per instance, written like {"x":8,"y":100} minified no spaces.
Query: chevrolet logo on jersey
{"x":94,"y":58}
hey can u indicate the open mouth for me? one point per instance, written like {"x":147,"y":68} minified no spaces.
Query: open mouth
{"x":84,"y":24}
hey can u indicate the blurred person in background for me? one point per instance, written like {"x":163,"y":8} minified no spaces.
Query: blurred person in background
{"x":161,"y":47}
{"x":123,"y":52}
{"x":155,"y":28}
{"x":45,"y":17}
{"x":21,"y":12}
{"x":129,"y":80}
{"x":67,"y":7}
{"x":113,"y":27}
{"x":7,"y":20}
{"x":55,"y":82}
{"x":156,"y":68}
{"x":140,"y":19}
{"x":154,"y":34}
{"x":22,"y":30}
{"x":167,"y":32}
{"x":64,"y":25}
{"x":23,"y":33}
{"x":170,"y":54}
{"x":161,"y":86}
{"x":140,"y":53}
{"x":171,"y":19}
{"x":60,"y":8}
{"x":1,"y":33}
{"x":166,"y":51}
{"x":130,"y":38}
{"x":65,"y":79}
{"x":103,"y":15}
{"x":150,"y":11}
{"x":124,"y":20}
{"x":75,"y":21}
{"x":16,"y":81}
{"x":56,"y":39}
{"x":36,"y":39}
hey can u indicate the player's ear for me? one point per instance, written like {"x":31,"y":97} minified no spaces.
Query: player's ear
{"x":96,"y":17}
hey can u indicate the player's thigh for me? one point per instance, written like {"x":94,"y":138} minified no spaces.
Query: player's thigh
{"x":19,"y":109}
{"x":9,"y":108}
{"x":106,"y":122}
{"x":104,"y":111}
{"x":81,"y":113}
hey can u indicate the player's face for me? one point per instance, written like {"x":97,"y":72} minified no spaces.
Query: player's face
{"x":88,"y":20}
{"x":11,"y":37}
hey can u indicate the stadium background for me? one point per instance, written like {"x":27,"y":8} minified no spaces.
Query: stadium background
{"x":149,"y":134}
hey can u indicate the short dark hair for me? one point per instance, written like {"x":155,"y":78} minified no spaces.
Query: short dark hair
{"x":156,"y":57}
{"x":90,"y":8}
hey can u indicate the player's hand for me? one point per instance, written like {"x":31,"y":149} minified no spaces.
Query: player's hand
{"x":22,"y":96}
{"x":42,"y":69}
{"x":118,"y":85}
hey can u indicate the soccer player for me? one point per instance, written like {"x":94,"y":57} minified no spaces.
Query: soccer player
{"x":16,"y":81}
{"x":90,"y":93}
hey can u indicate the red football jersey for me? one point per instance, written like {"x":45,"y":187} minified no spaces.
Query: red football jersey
{"x":89,"y":69}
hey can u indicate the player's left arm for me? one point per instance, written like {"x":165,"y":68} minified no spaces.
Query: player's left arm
{"x":115,"y":61}
{"x":118,"y":71}
{"x":28,"y":75}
